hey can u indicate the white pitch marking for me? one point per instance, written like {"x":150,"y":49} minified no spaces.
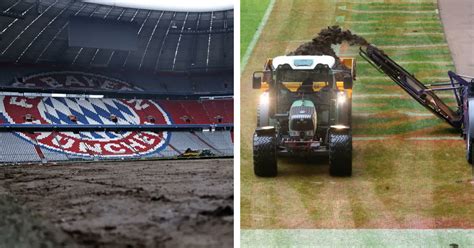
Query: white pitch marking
{"x":391,"y":11}
{"x":256,"y":36}
{"x":403,"y":34}
{"x":443,"y":79}
{"x":430,"y":138}
{"x":422,"y":138}
{"x":412,"y":62}
{"x":369,"y":138}
{"x":363,"y":114}
{"x":376,"y":95}
{"x":407,"y":22}
{"x":413,"y":46}
{"x":421,"y":22}
{"x":361,"y":96}
{"x":423,"y":33}
{"x":416,"y":114}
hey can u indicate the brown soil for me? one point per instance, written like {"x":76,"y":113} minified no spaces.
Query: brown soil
{"x":321,"y":44}
{"x":118,"y":204}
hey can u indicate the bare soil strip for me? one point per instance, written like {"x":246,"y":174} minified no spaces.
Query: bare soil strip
{"x":120,"y":204}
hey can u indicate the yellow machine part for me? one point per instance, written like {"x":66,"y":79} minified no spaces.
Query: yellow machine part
{"x":349,"y":62}
{"x":191,"y":154}
{"x":317,"y":86}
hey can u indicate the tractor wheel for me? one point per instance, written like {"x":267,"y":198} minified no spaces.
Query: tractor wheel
{"x":264,"y":155}
{"x":340,"y":153}
{"x":263,"y":116}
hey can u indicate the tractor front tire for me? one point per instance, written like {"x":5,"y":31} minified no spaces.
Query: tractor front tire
{"x":264,"y":155}
{"x":340,"y":153}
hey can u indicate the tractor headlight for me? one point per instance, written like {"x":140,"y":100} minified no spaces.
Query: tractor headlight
{"x":341,"y":98}
{"x":264,"y":98}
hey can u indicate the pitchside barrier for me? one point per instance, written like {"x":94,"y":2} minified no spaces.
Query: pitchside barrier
{"x":32,"y":157}
{"x":40,"y":143}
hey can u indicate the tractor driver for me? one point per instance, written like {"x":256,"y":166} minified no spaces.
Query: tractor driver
{"x":306,"y":86}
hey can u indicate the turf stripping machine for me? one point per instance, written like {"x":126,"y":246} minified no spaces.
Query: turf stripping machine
{"x":462,"y":118}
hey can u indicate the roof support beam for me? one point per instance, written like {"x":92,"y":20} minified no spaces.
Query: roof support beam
{"x":42,"y":30}
{"x":27,"y":27}
{"x":80,"y":49}
{"x":194,"y":48}
{"x":14,"y":21}
{"x":58,"y":33}
{"x":163,"y":43}
{"x":224,"y":41}
{"x":7,"y":12}
{"x":97,"y":49}
{"x":209,"y":40}
{"x":149,"y":40}
{"x":179,"y":40}
{"x":138,"y":34}
{"x":113,"y":52}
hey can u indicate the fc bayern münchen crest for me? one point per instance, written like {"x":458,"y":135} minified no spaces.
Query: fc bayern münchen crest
{"x":77,"y":111}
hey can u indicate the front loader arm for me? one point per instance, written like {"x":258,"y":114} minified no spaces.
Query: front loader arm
{"x":421,"y":93}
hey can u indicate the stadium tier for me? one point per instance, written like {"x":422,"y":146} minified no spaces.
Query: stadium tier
{"x":57,"y":146}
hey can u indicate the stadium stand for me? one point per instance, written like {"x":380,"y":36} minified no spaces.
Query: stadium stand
{"x":169,"y":70}
{"x":58,"y":146}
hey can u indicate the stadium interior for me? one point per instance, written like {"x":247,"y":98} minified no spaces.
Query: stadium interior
{"x":85,"y":81}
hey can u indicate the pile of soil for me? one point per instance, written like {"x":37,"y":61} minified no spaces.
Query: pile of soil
{"x":321,"y":43}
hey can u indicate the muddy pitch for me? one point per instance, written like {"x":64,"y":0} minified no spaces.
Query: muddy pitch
{"x":118,"y":204}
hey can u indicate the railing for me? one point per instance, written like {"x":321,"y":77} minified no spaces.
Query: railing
{"x":12,"y":158}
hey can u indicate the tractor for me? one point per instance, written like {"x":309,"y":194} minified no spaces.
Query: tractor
{"x":305,"y":111}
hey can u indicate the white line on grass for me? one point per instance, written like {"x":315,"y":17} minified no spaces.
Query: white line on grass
{"x":256,"y":36}
{"x":369,"y":138}
{"x":405,"y":96}
{"x":417,"y":114}
{"x":421,"y":22}
{"x":414,"y":46}
{"x":420,"y":138}
{"x":355,"y":96}
{"x":357,"y":238}
{"x":363,"y":114}
{"x":407,"y":22}
{"x":413,"y":62}
{"x":403,"y":34}
{"x":444,"y":79}
{"x":390,"y":11}
{"x":431,"y":138}
{"x":413,"y":114}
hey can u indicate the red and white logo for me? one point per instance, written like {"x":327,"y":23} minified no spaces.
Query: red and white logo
{"x":47,"y":110}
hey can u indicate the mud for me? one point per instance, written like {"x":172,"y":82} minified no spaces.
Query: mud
{"x":118,"y":204}
{"x":321,"y":43}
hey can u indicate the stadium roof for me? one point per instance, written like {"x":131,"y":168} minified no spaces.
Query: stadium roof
{"x":39,"y":32}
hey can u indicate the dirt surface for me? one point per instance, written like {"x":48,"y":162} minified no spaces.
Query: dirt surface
{"x":458,"y":22}
{"x":118,"y":204}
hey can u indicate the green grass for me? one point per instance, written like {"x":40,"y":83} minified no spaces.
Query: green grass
{"x":408,"y":180}
{"x":251,"y":13}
